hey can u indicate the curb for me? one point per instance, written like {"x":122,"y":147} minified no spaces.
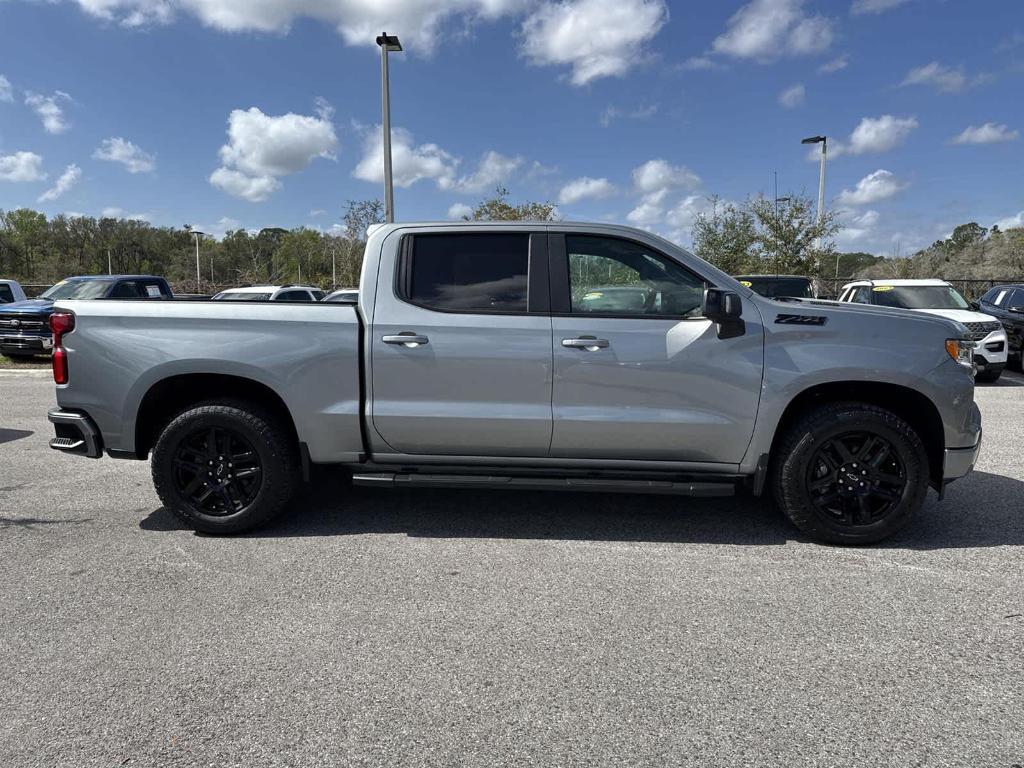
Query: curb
{"x":29,"y":373}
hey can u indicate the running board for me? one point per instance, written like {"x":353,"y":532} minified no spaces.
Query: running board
{"x":396,"y":480}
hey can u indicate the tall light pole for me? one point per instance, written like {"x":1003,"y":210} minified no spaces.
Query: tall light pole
{"x":199,"y":278}
{"x":823,"y":140}
{"x":388,"y":44}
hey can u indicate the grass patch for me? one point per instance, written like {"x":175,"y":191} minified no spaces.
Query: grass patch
{"x":39,"y":362}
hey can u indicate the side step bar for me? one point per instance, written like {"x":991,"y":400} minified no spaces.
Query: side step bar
{"x":399,"y":480}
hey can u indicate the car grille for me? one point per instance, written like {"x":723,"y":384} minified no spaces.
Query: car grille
{"x":20,"y":324}
{"x":980,"y":330}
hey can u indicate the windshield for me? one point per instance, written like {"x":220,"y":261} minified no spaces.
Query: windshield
{"x":918,"y":297}
{"x":345,"y":297}
{"x":772,"y":287}
{"x":241,"y":297}
{"x":77,"y":289}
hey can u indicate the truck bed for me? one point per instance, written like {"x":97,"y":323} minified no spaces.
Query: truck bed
{"x":309,"y":354}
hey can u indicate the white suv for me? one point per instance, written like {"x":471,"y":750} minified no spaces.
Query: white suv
{"x":937,"y":297}
{"x":271,"y":293}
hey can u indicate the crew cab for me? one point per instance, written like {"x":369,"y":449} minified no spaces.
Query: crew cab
{"x":24,"y":327}
{"x":474,"y":359}
{"x":937,"y":297}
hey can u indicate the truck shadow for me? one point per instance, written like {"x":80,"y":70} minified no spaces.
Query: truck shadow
{"x":10,"y":435}
{"x":982,"y":510}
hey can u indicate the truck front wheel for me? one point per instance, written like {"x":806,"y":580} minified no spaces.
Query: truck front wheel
{"x":225,"y":467}
{"x":850,"y":473}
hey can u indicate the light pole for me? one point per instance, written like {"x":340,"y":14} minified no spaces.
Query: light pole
{"x":199,"y":278}
{"x":823,"y":140}
{"x":388,"y":44}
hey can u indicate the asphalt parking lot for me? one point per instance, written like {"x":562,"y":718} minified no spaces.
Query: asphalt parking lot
{"x":390,"y":628}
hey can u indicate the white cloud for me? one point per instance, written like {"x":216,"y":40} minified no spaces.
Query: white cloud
{"x":49,"y":110}
{"x":989,"y":133}
{"x":113,"y":212}
{"x":418,"y":22}
{"x":684,"y":215}
{"x":64,"y":183}
{"x":836,"y":64}
{"x":874,"y":187}
{"x":612,"y":113}
{"x":700,"y":64}
{"x":793,"y":96}
{"x":132,"y":157}
{"x":596,"y":38}
{"x":1011,"y":222}
{"x":767,"y":29}
{"x":459,"y":210}
{"x":872,"y":135}
{"x":860,"y":7}
{"x":262,"y":148}
{"x":409,"y":162}
{"x":255,"y":189}
{"x":21,"y":166}
{"x":657,"y":176}
{"x":858,"y":227}
{"x":585,"y":188}
{"x":941,"y":77}
{"x":647,"y":213}
{"x":6,"y":89}
{"x":494,"y":168}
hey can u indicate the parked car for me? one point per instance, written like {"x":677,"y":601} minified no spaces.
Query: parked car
{"x":937,"y":297}
{"x":1006,"y":304}
{"x":468,"y":362}
{"x":780,"y":286}
{"x":24,"y":328}
{"x":271,"y":293}
{"x":10,"y":291}
{"x":343,"y":296}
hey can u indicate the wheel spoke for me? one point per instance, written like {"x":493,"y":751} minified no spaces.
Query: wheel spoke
{"x":886,"y":493}
{"x":890,"y":479}
{"x":867,"y":447}
{"x":841,"y":450}
{"x":881,"y":456}
{"x":863,"y":515}
{"x":823,"y":482}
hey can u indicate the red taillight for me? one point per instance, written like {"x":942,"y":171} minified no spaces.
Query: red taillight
{"x":60,"y":323}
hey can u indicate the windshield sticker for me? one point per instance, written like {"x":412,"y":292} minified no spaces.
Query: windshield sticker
{"x":153,"y":291}
{"x":883,"y":288}
{"x":746,"y":283}
{"x":593,"y":295}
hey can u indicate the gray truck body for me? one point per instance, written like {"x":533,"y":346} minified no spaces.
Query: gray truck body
{"x":505,"y":390}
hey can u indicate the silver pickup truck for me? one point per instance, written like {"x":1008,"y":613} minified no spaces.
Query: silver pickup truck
{"x":526,"y":356}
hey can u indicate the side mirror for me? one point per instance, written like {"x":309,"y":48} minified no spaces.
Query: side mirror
{"x":721,"y":306}
{"x":975,"y":306}
{"x":1019,"y":310}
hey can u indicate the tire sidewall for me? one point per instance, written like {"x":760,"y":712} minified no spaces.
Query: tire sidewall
{"x":794,"y":488}
{"x":250,"y":427}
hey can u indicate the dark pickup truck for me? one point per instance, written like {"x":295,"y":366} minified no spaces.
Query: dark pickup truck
{"x":25,"y":327}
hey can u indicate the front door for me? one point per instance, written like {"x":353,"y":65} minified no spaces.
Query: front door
{"x":461,"y":346}
{"x":639,"y":374}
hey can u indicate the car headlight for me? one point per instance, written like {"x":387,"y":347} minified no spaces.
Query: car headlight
{"x":961,"y":350}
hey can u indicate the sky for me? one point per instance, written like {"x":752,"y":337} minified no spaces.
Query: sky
{"x":227,"y":114}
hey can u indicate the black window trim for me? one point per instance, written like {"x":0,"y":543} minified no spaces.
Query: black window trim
{"x":561,"y":292}
{"x":537,"y":292}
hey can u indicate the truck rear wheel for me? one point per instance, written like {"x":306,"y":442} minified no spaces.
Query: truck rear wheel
{"x":850,"y":473}
{"x":225,"y":467}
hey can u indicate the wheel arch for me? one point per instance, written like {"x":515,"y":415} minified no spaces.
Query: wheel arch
{"x":170,"y":396}
{"x":910,"y":405}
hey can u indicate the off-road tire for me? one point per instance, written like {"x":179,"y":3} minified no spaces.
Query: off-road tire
{"x":799,"y":445}
{"x":263,"y":431}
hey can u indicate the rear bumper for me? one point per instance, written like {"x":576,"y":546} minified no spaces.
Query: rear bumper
{"x":76,"y":434}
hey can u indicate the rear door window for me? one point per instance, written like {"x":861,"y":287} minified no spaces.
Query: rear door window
{"x":126,"y":289}
{"x":6,"y":294}
{"x":477,"y":273}
{"x":294,"y":296}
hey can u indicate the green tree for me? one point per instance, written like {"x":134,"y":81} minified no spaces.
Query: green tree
{"x":727,"y":237}
{"x":498,"y":208}
{"x":789,"y":236}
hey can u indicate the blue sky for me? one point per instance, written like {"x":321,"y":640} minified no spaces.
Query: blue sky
{"x":236,"y":113}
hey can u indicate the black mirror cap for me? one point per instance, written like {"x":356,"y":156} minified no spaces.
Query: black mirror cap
{"x":975,"y":306}
{"x":722,"y":306}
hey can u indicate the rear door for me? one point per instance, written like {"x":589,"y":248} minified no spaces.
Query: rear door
{"x":461,"y":344}
{"x":639,"y":374}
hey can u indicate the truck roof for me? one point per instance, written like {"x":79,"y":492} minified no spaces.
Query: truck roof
{"x":111,"y":277}
{"x":895,"y":282}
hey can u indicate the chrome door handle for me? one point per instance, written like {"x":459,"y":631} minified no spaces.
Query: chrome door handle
{"x":410,"y":340}
{"x":589,"y":343}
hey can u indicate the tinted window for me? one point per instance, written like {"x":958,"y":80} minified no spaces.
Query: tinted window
{"x":126,"y":290}
{"x":470,"y":272}
{"x":6,"y":294}
{"x":620,"y":277}
{"x":294,"y":296}
{"x":776,"y":287}
{"x":861,"y":295}
{"x":990,"y":296}
{"x":318,"y":295}
{"x":1017,"y":299}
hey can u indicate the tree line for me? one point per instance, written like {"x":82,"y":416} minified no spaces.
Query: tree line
{"x":758,"y":236}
